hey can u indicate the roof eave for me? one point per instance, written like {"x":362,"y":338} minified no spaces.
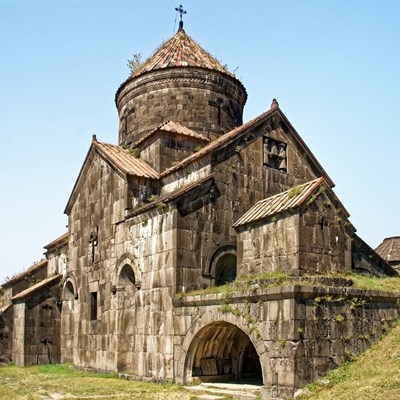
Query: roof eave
{"x":306,"y":149}
{"x":69,"y":204}
{"x":186,"y":67}
{"x":36,"y":288}
{"x":40,"y":264}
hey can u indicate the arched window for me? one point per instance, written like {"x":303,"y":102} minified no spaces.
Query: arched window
{"x":225,"y":270}
{"x":126,"y":276}
{"x":69,"y":296}
{"x":223,"y":265}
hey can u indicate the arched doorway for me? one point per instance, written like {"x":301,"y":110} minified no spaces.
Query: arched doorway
{"x":125,"y":291}
{"x":222,"y":352}
{"x":68,"y":321}
{"x":69,"y":297}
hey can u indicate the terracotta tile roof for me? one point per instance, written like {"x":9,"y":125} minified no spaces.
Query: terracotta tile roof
{"x":166,"y":198}
{"x":173,"y":127}
{"x":124,"y":161}
{"x":284,"y":201}
{"x":36,"y":288}
{"x":220,"y":142}
{"x":61,"y":240}
{"x":389,"y":249}
{"x":180,"y":51}
{"x":30,"y":270}
{"x":231,"y":136}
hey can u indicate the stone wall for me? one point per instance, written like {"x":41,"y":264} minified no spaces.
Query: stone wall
{"x":298,"y":332}
{"x":152,"y":243}
{"x":98,"y":209}
{"x":164,"y":150}
{"x":182,"y":95}
{"x":367,"y":261}
{"x":240,"y":180}
{"x":325,"y":239}
{"x":57,"y":262}
{"x":311,"y":239}
{"x":130,"y":277}
{"x":36,"y":335}
{"x":18,"y":341}
{"x":6,"y":332}
{"x":42,"y":332}
{"x":269,"y":246}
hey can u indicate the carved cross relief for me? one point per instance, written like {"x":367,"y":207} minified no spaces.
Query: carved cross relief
{"x":93,"y":244}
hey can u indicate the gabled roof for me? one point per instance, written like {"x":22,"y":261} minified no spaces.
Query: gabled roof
{"x":180,"y":51}
{"x":35,"y":267}
{"x":235,"y":134}
{"x":389,"y":249}
{"x":60,"y":241}
{"x":37,"y":288}
{"x":173,"y":127}
{"x":120,"y":159}
{"x":290,"y":199}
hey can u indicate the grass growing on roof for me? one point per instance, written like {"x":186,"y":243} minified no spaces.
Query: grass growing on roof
{"x":269,"y":279}
{"x":388,"y":284}
{"x":280,"y":278}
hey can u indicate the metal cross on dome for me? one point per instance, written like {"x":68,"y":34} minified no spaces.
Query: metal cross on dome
{"x":180,"y":10}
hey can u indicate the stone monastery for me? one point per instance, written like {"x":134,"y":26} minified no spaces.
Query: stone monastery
{"x":200,"y":248}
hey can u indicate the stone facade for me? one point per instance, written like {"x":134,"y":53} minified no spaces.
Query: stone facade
{"x":208,"y":102}
{"x":314,"y":238}
{"x":6,"y":331}
{"x":36,"y":330}
{"x":192,"y":199}
{"x":298,"y":333}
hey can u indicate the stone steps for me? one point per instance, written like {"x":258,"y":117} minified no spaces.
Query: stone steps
{"x":218,"y":391}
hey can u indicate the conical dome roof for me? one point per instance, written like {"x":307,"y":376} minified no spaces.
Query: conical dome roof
{"x":389,"y":249}
{"x":180,"y":51}
{"x":183,"y":83}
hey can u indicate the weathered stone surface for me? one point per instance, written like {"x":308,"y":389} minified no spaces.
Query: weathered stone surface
{"x":136,"y":245}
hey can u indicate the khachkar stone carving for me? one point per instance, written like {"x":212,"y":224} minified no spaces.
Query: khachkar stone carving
{"x":92,"y":245}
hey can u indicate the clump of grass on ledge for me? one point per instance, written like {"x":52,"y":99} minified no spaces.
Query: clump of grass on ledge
{"x":387,"y":284}
{"x":270,"y":279}
{"x":280,"y":278}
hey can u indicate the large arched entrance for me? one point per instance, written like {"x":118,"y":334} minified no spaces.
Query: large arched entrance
{"x":222,"y":352}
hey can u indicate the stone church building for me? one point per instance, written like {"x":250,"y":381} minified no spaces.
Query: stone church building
{"x":189,"y":200}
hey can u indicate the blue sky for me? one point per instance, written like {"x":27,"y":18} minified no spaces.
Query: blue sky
{"x":333,"y":66}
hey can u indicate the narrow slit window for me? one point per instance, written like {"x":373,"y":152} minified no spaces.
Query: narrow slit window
{"x":93,"y":306}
